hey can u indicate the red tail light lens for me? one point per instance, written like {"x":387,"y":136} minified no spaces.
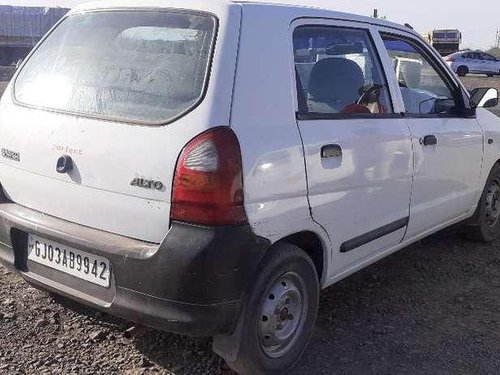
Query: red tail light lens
{"x":208,"y":182}
{"x":450,"y":59}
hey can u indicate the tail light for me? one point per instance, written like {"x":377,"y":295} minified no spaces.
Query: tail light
{"x":450,"y":59}
{"x":208,"y":181}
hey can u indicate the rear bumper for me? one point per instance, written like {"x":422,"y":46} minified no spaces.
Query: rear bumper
{"x":192,"y":283}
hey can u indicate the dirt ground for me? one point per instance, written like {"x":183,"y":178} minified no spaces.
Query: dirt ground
{"x":433,"y":308}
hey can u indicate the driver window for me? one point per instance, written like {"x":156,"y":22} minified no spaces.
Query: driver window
{"x":424,"y":90}
{"x":338,"y":73}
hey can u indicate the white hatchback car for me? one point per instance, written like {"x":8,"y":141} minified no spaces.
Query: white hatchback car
{"x":476,"y":62}
{"x":207,"y":167}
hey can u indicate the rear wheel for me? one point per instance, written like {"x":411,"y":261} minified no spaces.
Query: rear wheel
{"x":462,"y":71}
{"x":278,"y":319}
{"x":485,"y":224}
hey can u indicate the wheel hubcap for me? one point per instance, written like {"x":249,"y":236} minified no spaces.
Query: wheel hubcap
{"x":282,"y":314}
{"x":493,"y":204}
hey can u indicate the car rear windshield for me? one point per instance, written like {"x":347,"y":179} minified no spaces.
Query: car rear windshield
{"x":147,"y":67}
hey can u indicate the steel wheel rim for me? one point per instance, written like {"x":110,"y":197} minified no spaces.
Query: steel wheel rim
{"x":282,"y":314}
{"x":492,"y":210}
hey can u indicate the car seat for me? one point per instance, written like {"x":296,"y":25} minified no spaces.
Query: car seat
{"x":335,"y":85}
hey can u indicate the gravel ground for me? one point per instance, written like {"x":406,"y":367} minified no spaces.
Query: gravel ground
{"x":431,"y":308}
{"x":483,"y":81}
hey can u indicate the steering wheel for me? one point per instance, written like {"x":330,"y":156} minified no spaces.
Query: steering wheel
{"x":371,"y":95}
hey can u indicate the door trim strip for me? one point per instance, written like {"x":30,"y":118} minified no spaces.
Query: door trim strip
{"x":374,"y":235}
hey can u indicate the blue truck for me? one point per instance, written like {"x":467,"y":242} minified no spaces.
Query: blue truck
{"x":22,"y":27}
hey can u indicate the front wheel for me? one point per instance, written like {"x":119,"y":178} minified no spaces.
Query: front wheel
{"x":485,"y":224}
{"x":279,"y":316}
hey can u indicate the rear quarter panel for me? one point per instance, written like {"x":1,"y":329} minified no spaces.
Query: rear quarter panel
{"x":263,"y":117}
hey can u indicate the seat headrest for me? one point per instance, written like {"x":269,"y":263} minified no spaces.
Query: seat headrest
{"x":335,"y":79}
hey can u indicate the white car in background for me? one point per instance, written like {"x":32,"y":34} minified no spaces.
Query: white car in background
{"x":476,"y":62}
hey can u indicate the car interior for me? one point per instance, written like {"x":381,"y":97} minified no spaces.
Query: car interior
{"x":338,"y":76}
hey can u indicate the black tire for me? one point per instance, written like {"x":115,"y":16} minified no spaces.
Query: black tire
{"x":284,"y":268}
{"x":490,"y":75}
{"x":485,"y":224}
{"x":462,"y":71}
{"x":5,"y":57}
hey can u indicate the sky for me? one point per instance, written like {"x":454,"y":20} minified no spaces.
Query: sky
{"x":478,"y":20}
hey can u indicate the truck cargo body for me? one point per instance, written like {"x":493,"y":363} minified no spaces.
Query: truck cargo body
{"x":22,"y":27}
{"x":446,"y":41}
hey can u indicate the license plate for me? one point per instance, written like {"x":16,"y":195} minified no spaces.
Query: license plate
{"x":80,"y":264}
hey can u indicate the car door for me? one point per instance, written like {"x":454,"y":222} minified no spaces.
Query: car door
{"x":483,"y":63}
{"x":357,"y":149}
{"x":473,"y":63}
{"x":448,"y":145}
{"x":491,"y":63}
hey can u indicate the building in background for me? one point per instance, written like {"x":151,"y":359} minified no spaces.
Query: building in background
{"x":22,"y":27}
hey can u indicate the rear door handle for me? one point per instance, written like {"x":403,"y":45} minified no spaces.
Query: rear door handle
{"x":429,"y":140}
{"x":331,"y":151}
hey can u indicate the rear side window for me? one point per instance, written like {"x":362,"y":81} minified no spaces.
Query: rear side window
{"x":471,"y":56}
{"x":147,"y":67}
{"x":338,"y":73}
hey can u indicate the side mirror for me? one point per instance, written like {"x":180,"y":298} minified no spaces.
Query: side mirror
{"x":484,"y":98}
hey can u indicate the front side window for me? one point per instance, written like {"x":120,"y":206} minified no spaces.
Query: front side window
{"x":132,"y":66}
{"x":488,"y":57}
{"x":338,"y":72}
{"x":424,"y":90}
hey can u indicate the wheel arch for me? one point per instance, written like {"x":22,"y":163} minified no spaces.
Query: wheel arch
{"x":487,"y":169}
{"x":477,"y":226}
{"x":494,"y":164}
{"x":313,"y":245}
{"x":488,"y":172}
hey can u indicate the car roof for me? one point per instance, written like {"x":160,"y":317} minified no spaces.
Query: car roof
{"x":321,"y":8}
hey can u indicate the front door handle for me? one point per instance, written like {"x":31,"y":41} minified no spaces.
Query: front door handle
{"x":429,"y":140}
{"x":331,"y":151}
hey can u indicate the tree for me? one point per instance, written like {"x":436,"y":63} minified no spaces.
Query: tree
{"x":495,"y":51}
